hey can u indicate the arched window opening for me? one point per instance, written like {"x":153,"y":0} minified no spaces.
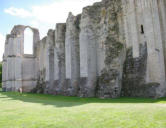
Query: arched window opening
{"x":28,"y":41}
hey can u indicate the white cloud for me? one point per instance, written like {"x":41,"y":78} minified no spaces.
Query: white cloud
{"x":20,"y":12}
{"x":46,"y":16}
{"x":58,"y":11}
{"x":2,"y":42}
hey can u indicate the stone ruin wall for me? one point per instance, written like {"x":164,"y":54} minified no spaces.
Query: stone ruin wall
{"x":114,"y":48}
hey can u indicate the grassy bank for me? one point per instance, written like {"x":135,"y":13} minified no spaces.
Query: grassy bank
{"x":45,"y":111}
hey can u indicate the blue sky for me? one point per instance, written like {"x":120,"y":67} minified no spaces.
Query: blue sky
{"x":42,"y":14}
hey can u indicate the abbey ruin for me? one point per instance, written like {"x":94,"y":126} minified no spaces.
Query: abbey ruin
{"x":114,"y":48}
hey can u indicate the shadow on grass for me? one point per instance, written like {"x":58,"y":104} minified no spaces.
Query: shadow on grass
{"x":63,"y":101}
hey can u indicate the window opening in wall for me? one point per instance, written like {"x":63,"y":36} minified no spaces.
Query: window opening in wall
{"x":142,"y":29}
{"x":28,"y":41}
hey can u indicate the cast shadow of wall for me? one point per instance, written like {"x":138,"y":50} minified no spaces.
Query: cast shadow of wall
{"x":62,"y":101}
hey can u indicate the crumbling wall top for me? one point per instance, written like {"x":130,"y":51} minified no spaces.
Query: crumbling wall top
{"x":19,"y":29}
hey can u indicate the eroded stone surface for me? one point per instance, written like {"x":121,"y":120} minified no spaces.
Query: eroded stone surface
{"x":72,"y":56}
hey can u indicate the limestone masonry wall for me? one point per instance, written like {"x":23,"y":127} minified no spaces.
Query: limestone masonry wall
{"x":113,"y":48}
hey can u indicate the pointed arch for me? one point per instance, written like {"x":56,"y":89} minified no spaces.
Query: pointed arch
{"x":28,"y":41}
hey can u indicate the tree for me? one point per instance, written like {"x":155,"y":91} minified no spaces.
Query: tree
{"x":0,"y":75}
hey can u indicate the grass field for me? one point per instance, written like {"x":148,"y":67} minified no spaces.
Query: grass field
{"x":46,"y":111}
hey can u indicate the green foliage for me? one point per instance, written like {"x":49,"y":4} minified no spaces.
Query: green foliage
{"x":0,"y":75}
{"x":46,"y":111}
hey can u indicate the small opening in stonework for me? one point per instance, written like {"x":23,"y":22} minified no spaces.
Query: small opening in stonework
{"x":142,"y":29}
{"x":116,"y":90}
{"x":28,"y":41}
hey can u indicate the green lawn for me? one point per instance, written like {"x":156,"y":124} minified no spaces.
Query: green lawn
{"x":46,"y":111}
